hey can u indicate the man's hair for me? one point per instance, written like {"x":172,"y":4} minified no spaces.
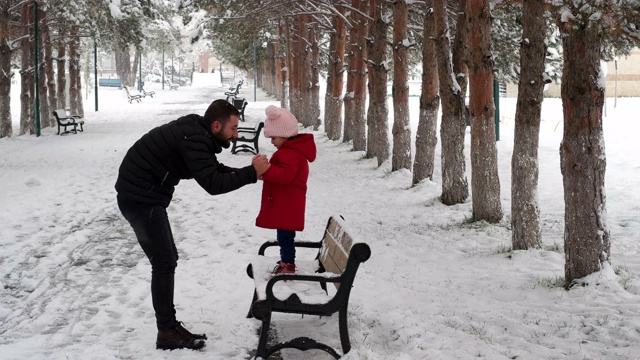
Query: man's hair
{"x":221,"y":111}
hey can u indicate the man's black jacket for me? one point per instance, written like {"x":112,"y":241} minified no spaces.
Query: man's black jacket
{"x":182,"y":149}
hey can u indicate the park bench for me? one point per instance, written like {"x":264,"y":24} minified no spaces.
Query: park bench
{"x":132,"y":97}
{"x":234,"y":91}
{"x":237,"y":85}
{"x":65,"y":121}
{"x":249,"y":135}
{"x":305,"y":291}
{"x":148,"y":93}
{"x":240,"y":104}
{"x":109,"y":82}
{"x":172,"y":86}
{"x":225,"y":80}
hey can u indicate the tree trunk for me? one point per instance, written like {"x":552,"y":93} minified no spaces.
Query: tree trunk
{"x":123,"y":63}
{"x":75,"y":86}
{"x":51,"y":80}
{"x":525,"y":213}
{"x":485,"y":184}
{"x":6,"y":127}
{"x":269,"y":66}
{"x":135,"y":68}
{"x":304,"y":64}
{"x":335,"y":79}
{"x":61,"y":62}
{"x":45,"y":114}
{"x":352,"y":72}
{"x":27,"y":111}
{"x":378,"y":114}
{"x":582,"y":155}
{"x":277,"y":70}
{"x":359,"y":130}
{"x":455,"y":189}
{"x":87,"y":74}
{"x":314,"y":85}
{"x":426,"y":136}
{"x":370,"y":41}
{"x":401,"y":158}
{"x":286,"y":66}
{"x":459,"y":54}
{"x":294,"y":73}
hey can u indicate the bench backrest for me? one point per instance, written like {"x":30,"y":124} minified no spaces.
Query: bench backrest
{"x":336,"y":248}
{"x":250,"y":134}
{"x":239,"y":104}
{"x":60,"y":113}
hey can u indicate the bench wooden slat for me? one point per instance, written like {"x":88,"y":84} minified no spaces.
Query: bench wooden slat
{"x":334,"y":252}
{"x":340,"y":234}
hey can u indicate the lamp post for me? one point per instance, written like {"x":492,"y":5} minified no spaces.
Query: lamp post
{"x":95,"y":69}
{"x":162,"y":66}
{"x":255,"y":72}
{"x":140,"y":77}
{"x":496,"y":100}
{"x":615,"y":99}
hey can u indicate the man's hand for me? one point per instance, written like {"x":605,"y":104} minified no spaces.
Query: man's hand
{"x":261,"y":164}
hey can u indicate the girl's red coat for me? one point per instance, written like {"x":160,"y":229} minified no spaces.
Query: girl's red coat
{"x":285,"y":185}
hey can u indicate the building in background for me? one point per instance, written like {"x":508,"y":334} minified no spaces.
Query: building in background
{"x":622,"y":78}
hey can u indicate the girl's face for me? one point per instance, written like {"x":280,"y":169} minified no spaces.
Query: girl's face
{"x":277,"y":141}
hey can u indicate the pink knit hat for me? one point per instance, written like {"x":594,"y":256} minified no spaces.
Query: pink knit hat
{"x":280,"y":122}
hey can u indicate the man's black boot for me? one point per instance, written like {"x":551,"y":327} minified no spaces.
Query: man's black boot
{"x":175,"y":339}
{"x":181,"y":328}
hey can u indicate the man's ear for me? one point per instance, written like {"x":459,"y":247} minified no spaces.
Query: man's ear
{"x":216,"y":126}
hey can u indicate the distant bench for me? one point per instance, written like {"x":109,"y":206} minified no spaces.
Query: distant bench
{"x":240,"y":104}
{"x":234,"y":91}
{"x":65,"y":121}
{"x":249,"y":135}
{"x":132,"y":97}
{"x":305,"y":291}
{"x":109,"y":82}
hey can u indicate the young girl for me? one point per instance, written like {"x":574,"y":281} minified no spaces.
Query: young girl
{"x":285,"y":183}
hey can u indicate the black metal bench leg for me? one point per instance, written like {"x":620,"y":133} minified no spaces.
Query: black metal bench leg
{"x":264,"y":337}
{"x":255,"y":297}
{"x":344,"y":329}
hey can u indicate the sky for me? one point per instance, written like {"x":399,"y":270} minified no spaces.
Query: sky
{"x":74,"y":283}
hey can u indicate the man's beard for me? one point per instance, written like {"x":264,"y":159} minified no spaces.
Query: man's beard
{"x":223,"y":142}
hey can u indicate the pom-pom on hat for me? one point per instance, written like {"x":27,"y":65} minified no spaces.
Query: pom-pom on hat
{"x":280,"y":122}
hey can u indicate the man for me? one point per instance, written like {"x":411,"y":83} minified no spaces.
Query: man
{"x":181,"y":149}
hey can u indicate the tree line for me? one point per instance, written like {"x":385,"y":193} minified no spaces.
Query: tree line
{"x":66,"y":30}
{"x":461,"y":44}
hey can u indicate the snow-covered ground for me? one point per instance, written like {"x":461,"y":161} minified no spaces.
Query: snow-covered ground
{"x":74,"y":283}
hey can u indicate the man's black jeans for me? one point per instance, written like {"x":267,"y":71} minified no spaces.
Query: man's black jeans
{"x":151,"y":226}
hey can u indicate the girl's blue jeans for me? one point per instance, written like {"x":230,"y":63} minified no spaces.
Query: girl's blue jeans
{"x":287,"y":248}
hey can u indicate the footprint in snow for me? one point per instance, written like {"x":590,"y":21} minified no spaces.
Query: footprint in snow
{"x":32,"y":182}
